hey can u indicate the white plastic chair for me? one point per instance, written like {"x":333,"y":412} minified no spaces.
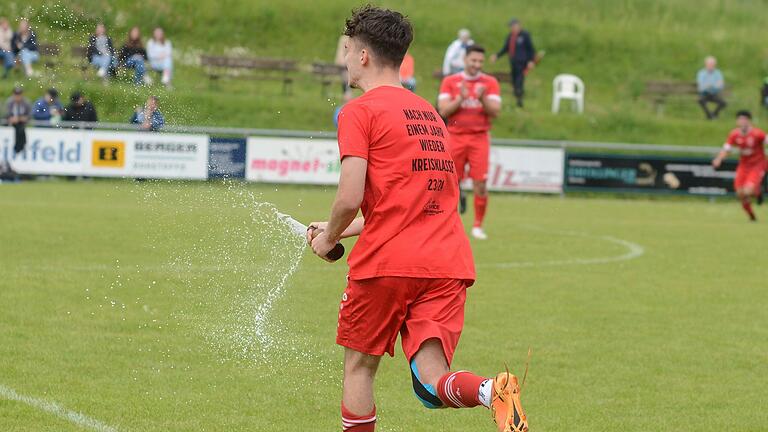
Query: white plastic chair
{"x":567,"y":86}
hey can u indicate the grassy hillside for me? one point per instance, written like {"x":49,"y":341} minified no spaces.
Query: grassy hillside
{"x":614,"y":45}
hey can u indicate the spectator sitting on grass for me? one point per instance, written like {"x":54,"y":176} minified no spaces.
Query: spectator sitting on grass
{"x":453,"y":62}
{"x":80,"y":109}
{"x":25,"y":47}
{"x":407,"y":72}
{"x":160,"y":54}
{"x":6,"y":46}
{"x":48,"y":107}
{"x":149,"y":117}
{"x":133,"y":56}
{"x":17,"y":113}
{"x":710,"y":84}
{"x":101,"y":51}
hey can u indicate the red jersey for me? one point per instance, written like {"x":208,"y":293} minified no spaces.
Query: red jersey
{"x":751,"y":146}
{"x":470,"y":117}
{"x":412,"y":228}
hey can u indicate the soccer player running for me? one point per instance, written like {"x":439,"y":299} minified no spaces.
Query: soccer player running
{"x":752,"y":162}
{"x":412,"y":264}
{"x":469,"y":100}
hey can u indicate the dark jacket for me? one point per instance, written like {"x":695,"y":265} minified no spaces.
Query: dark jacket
{"x":126,"y":52}
{"x":524,"y":51}
{"x":85,"y":112}
{"x":764,"y":93}
{"x":30,"y":44}
{"x":92,"y":51}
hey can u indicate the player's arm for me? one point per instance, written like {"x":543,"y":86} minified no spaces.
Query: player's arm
{"x":349,"y":196}
{"x":447,"y":106}
{"x":354,"y":229}
{"x":491,"y":105}
{"x":718,"y":160}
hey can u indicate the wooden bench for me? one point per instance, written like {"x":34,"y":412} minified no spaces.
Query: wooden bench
{"x":265,"y":69}
{"x":660,"y":91}
{"x":327,"y":73}
{"x":78,"y":54}
{"x":48,"y":52}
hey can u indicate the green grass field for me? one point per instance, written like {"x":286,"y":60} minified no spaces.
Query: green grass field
{"x":615,"y":46}
{"x":134,"y":304}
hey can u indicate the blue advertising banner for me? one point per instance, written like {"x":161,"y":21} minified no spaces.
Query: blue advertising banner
{"x":226,"y":158}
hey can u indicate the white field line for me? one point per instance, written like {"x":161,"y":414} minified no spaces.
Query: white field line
{"x":633,"y":250}
{"x":53,"y":408}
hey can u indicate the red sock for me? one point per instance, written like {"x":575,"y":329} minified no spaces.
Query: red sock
{"x":459,"y":389}
{"x":747,"y":205}
{"x":481,"y":203}
{"x":355,"y":423}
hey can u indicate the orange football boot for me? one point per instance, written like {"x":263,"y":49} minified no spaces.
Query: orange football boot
{"x":505,"y":404}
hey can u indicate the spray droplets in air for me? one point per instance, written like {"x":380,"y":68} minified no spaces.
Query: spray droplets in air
{"x":234,"y":259}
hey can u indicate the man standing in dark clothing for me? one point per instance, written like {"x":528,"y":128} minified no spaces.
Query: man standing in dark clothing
{"x":18,"y":111}
{"x":518,"y":46}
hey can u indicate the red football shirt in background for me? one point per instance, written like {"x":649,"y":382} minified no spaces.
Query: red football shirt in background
{"x":470,"y":117}
{"x":412,"y":228}
{"x":407,"y":67}
{"x":751,"y":146}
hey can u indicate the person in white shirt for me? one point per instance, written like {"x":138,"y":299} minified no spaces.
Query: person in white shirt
{"x":160,"y":53}
{"x":454,"y":55}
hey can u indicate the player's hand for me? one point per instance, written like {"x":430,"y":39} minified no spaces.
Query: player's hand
{"x":463,"y":91}
{"x":314,"y":229}
{"x":494,"y":57}
{"x":321,"y":245}
{"x":716,"y":163}
{"x":480,"y":91}
{"x":531,"y":65}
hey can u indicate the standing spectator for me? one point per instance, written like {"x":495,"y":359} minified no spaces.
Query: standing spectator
{"x":408,"y":72}
{"x":133,"y":56}
{"x":101,"y":51}
{"x":6,"y":46}
{"x":48,"y":107}
{"x":80,"y":109}
{"x":454,"y":55}
{"x":25,"y":47}
{"x":764,"y":93}
{"x":17,"y":113}
{"x":518,"y":46}
{"x":348,"y":96}
{"x":710,"y":84}
{"x":338,"y":60}
{"x":149,"y":117}
{"x":160,"y":54}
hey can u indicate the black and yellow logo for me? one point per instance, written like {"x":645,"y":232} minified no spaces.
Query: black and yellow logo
{"x":109,"y":154}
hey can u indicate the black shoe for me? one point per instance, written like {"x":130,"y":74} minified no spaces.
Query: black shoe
{"x":462,"y":202}
{"x":759,"y":199}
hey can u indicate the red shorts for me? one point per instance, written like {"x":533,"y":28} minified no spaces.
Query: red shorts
{"x":747,"y":176}
{"x":473,"y":148}
{"x":373,"y":311}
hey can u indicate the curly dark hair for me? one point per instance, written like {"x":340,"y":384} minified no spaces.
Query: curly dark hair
{"x":387,"y":33}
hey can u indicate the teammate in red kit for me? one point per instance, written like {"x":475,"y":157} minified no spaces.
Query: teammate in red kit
{"x":752,"y":163}
{"x":412,"y":264}
{"x":469,"y":100}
